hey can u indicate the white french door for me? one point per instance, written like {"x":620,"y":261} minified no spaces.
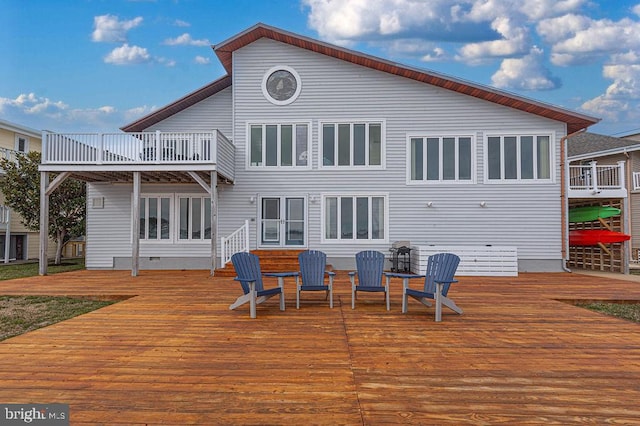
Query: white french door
{"x":282,"y":222}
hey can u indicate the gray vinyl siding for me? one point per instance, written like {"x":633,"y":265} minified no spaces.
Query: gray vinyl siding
{"x":524,"y":215}
{"x":214,"y":112}
{"x":109,"y":228}
{"x":634,"y":201}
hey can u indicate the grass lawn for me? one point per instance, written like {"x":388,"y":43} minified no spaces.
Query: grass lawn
{"x":22,"y":270}
{"x":20,"y":314}
{"x":628,"y":311}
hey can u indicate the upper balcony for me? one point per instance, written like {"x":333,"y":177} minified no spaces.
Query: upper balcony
{"x":142,"y":151}
{"x":597,"y":181}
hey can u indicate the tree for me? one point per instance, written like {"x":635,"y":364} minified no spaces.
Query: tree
{"x":67,"y":204}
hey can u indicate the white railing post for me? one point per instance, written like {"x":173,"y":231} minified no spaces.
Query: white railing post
{"x":594,"y":176}
{"x":101,"y":148}
{"x":246,"y":236}
{"x":158,"y":146}
{"x":45,"y":155}
{"x":213,"y":147}
{"x":622,"y":177}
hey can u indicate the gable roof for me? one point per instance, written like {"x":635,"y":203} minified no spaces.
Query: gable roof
{"x":178,"y":105}
{"x":224,"y":51}
{"x":589,"y":145}
{"x":18,"y":128}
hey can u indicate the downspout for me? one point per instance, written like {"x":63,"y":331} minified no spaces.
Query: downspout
{"x":564,"y":199}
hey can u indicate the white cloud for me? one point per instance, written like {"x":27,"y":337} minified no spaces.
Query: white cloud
{"x":346,"y":21}
{"x":560,"y":28}
{"x":202,"y":60}
{"x":620,"y":100}
{"x":436,"y":54}
{"x":486,"y":29}
{"x":31,"y":104}
{"x":43,"y":113}
{"x":108,"y":28}
{"x":181,"y":23}
{"x":166,"y":62}
{"x":515,"y":41}
{"x":636,"y":9}
{"x":126,"y":55}
{"x":579,"y":39}
{"x":186,"y":40}
{"x":541,"y":9}
{"x":526,"y":73}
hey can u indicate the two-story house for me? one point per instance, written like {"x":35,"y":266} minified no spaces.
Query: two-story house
{"x":16,"y":241}
{"x":605,"y":171}
{"x":303,"y":144}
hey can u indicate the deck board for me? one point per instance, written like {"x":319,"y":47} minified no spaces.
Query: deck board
{"x":173,"y":353}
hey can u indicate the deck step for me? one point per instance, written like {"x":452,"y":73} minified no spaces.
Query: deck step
{"x":278,"y":260}
{"x":270,"y":261}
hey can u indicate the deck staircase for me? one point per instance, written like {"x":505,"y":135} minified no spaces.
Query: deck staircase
{"x":270,"y":261}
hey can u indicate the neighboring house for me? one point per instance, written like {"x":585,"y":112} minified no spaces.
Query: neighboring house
{"x":23,"y":244}
{"x":316,"y":146}
{"x":615,"y":164}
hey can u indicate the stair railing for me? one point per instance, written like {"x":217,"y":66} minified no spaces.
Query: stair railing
{"x":236,"y":242}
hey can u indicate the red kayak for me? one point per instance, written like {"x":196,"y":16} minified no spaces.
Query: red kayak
{"x":592,"y":237}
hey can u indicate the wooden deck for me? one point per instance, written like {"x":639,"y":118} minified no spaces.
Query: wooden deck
{"x":175,"y":354}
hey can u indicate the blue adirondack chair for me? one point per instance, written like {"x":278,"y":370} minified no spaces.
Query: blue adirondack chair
{"x":313,"y":265}
{"x":247,"y":266}
{"x":370,"y":266}
{"x":439,"y":276}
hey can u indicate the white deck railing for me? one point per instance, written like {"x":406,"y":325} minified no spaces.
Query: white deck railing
{"x":236,"y":242}
{"x":9,"y":154}
{"x":127,"y":148}
{"x":594,"y":179}
{"x":5,"y":216}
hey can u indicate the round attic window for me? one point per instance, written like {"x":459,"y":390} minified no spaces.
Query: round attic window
{"x":281,"y":85}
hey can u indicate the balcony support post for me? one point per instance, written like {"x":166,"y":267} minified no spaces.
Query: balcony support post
{"x":6,"y":212}
{"x":44,"y":223}
{"x":135,"y":226}
{"x":214,"y":221}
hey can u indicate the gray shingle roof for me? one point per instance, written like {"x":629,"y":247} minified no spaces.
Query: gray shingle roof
{"x":593,"y":143}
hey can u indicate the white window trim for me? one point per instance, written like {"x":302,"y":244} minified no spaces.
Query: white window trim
{"x":305,"y":197}
{"x":474,"y":162}
{"x":190,"y":196}
{"x":26,"y":144}
{"x":383,"y":144}
{"x":535,"y":133}
{"x":325,"y":240}
{"x":172,"y":220}
{"x":293,"y":72}
{"x":174,"y":215}
{"x":279,"y":123}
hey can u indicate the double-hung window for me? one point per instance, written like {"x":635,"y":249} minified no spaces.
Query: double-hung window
{"x":155,"y":217}
{"x":440,"y":159}
{"x":513,"y":158}
{"x":194,"y":217}
{"x":355,"y":218}
{"x":22,"y":143}
{"x":352,"y":144}
{"x":279,"y":145}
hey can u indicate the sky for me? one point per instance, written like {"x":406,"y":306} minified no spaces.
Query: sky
{"x":97,"y":65}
